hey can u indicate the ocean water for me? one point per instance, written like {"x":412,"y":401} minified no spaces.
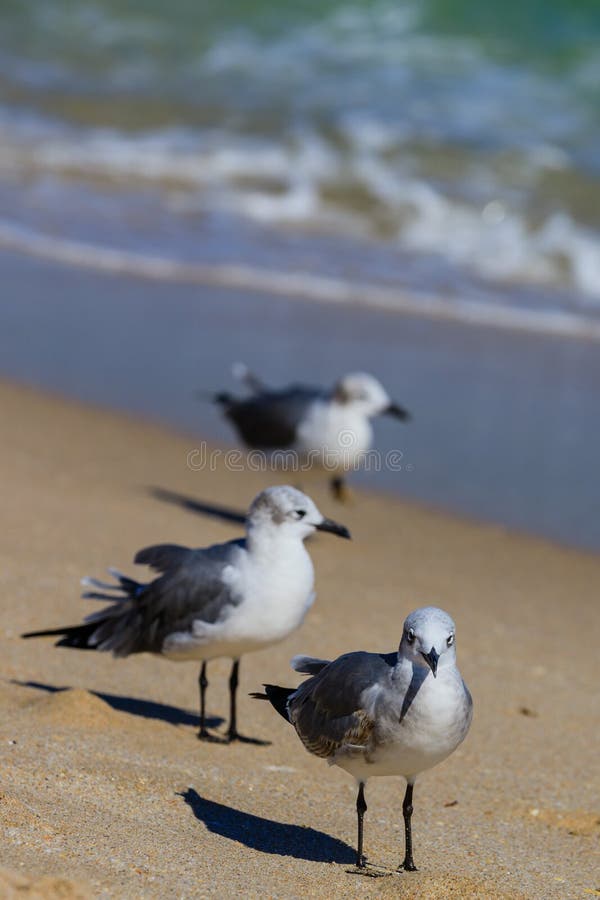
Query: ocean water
{"x":433,"y":149}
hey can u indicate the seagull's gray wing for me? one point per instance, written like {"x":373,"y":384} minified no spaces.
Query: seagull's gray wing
{"x":162,"y":557}
{"x":191,"y":589}
{"x":328,"y":710}
{"x":270,"y":420}
{"x":308,"y":665}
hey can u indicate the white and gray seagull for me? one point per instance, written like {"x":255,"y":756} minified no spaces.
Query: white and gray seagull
{"x":383,"y":714}
{"x":218,"y":601}
{"x":328,"y":427}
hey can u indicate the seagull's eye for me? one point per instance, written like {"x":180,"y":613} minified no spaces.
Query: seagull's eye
{"x":410,"y":636}
{"x":450,"y":640}
{"x":299,"y":513}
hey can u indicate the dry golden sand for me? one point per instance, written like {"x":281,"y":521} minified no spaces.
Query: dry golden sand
{"x":105,"y":788}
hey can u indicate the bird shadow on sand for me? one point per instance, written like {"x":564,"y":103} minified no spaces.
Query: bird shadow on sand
{"x":201,"y":507}
{"x":148,"y":709}
{"x":266,"y":835}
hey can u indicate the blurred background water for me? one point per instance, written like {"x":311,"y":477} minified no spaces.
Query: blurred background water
{"x":411,"y":149}
{"x":440,"y":147}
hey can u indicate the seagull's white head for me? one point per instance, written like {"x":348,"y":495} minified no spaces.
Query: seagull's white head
{"x":367,"y":395}
{"x":289,"y":512}
{"x":428,"y":638}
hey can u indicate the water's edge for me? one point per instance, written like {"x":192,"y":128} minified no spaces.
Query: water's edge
{"x":505,"y":424}
{"x":295,"y":285}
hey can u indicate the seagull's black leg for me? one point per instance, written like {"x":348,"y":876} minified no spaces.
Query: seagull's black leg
{"x":232,"y":734}
{"x":361,"y":808}
{"x":203,"y":684}
{"x":407,"y":809}
{"x":340,"y":489}
{"x":203,"y":734}
{"x":337,"y":487}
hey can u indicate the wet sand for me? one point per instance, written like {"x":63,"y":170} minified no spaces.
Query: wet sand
{"x":105,"y":790}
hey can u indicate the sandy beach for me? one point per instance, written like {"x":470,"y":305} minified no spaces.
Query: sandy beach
{"x":105,"y":790}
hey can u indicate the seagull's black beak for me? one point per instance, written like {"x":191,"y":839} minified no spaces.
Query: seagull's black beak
{"x":431,"y":659}
{"x":334,"y":528}
{"x":397,"y":411}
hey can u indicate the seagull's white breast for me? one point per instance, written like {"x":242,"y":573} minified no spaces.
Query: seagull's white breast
{"x":278,"y":591}
{"x":274,"y":584}
{"x":436,"y":722}
{"x":336,"y":435}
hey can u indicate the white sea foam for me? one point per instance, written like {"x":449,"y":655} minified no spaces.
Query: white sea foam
{"x":300,"y":285}
{"x":562,"y":237}
{"x":296,"y":184}
{"x":374,"y":125}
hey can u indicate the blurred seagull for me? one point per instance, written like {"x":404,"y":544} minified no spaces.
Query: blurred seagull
{"x":383,"y":714}
{"x":224,"y":600}
{"x":330,"y":428}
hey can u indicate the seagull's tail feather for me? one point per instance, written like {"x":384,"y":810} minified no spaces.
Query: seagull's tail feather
{"x":118,"y":627}
{"x":278,"y":697}
{"x":223,"y":398}
{"x":211,"y":397}
{"x":242,"y":373}
{"x":70,"y":636}
{"x":129,"y":585}
{"x":124,"y":588}
{"x":96,"y":583}
{"x":308,"y":665}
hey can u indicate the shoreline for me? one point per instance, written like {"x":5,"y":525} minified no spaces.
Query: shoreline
{"x":216,"y":451}
{"x":504,"y":428}
{"x":297,"y":285}
{"x":106,"y":783}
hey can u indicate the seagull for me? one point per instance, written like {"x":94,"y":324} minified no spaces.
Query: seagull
{"x":223,"y":600}
{"x":329,"y":427}
{"x":394,"y":713}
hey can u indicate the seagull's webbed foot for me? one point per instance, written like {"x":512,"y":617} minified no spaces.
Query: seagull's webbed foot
{"x":204,"y":735}
{"x":368,"y":869}
{"x":234,"y":736}
{"x":407,"y":866}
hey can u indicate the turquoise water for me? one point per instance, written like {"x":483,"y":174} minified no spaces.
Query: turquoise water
{"x":446,"y":147}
